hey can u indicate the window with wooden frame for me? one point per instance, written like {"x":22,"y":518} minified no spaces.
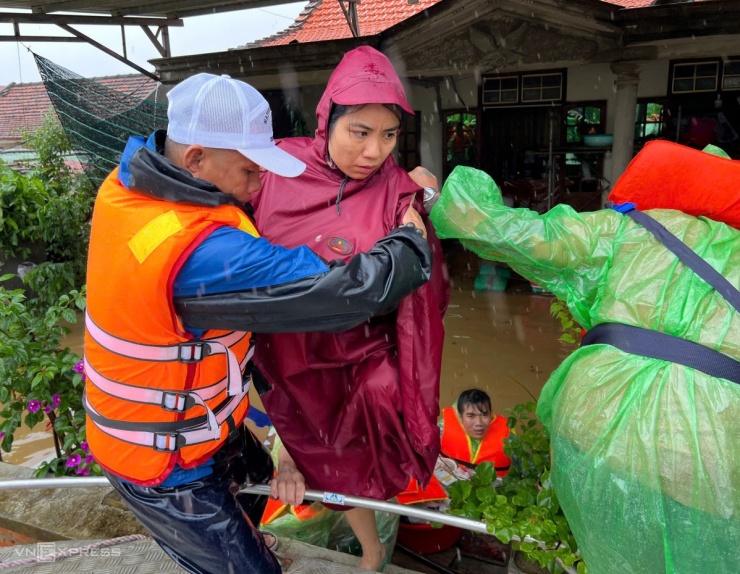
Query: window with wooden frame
{"x":583,"y":118}
{"x":694,"y":76}
{"x":731,"y":75}
{"x":649,"y":120}
{"x":523,"y":89}
{"x":502,"y":90}
{"x":408,"y":152}
{"x":539,"y":88}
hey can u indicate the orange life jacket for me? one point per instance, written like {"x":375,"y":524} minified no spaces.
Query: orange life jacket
{"x":457,"y":444}
{"x":147,"y":378}
{"x":275,"y":509}
{"x":415,"y":494}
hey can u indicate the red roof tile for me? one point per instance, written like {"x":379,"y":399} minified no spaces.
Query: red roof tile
{"x":324,"y":20}
{"x":630,"y":3}
{"x":23,"y":105}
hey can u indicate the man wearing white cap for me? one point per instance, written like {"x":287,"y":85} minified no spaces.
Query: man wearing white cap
{"x":165,"y":400}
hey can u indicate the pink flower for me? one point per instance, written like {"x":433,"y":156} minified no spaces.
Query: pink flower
{"x":84,"y":446}
{"x":2,"y":435}
{"x":83,"y":471}
{"x":47,"y":408}
{"x":89,"y":458}
{"x":33,"y":406}
{"x":80,"y":368}
{"x":56,"y":400}
{"x":73,"y":461}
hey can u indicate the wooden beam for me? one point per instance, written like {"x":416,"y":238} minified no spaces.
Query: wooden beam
{"x":13,"y":17}
{"x":22,"y":38}
{"x":108,"y":51}
{"x":179,"y":7}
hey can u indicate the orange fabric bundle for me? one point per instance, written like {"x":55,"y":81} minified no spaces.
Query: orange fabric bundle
{"x":665,"y":175}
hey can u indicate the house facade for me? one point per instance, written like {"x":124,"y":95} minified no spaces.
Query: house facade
{"x":551,"y":97}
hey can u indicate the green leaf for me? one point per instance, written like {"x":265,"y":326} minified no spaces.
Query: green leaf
{"x":504,"y":535}
{"x":69,"y":315}
{"x":485,"y":494}
{"x":485,"y":474}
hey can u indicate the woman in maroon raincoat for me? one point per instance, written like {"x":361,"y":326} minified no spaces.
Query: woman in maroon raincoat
{"x":357,"y":410}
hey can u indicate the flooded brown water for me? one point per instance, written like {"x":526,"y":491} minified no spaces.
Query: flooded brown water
{"x":505,"y":343}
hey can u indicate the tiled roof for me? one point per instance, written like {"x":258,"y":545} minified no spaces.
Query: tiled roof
{"x":324,"y":20}
{"x":23,"y":105}
{"x":630,"y":3}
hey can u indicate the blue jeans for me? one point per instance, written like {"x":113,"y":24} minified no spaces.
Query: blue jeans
{"x":203,"y":525}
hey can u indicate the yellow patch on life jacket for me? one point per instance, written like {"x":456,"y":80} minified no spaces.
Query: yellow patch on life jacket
{"x":153,"y":234}
{"x":247,"y":226}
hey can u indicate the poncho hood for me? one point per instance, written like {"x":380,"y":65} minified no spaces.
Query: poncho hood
{"x":364,"y":76}
{"x":665,"y":175}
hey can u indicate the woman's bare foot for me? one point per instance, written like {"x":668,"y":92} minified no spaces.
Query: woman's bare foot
{"x":372,"y":558}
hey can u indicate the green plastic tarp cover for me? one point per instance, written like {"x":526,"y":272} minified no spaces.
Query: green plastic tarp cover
{"x":646,"y":453}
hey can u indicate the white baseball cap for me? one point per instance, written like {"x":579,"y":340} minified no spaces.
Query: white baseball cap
{"x":220,"y":112}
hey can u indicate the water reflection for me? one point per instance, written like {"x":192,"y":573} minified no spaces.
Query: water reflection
{"x":504,"y":343}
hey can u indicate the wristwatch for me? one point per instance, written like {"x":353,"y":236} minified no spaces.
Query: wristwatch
{"x":431,"y":196}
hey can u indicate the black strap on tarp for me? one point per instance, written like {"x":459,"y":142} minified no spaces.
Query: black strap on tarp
{"x":689,"y":258}
{"x":647,"y":343}
{"x":656,"y":345}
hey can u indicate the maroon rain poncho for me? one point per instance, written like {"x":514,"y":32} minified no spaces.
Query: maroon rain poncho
{"x":356,"y":410}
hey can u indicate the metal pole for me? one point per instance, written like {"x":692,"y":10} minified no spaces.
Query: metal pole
{"x":550,"y":166}
{"x":263,"y":489}
{"x":71,"y":482}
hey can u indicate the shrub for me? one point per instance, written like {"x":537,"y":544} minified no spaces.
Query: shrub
{"x":40,"y":380}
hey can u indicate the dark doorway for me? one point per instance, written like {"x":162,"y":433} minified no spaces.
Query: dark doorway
{"x":515,"y":141}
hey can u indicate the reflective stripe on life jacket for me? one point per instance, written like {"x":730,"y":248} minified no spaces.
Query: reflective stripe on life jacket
{"x":457,"y":444}
{"x":155,"y":397}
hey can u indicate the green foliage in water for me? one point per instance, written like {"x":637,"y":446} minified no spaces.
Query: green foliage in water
{"x":41,"y":380}
{"x":523,"y":503}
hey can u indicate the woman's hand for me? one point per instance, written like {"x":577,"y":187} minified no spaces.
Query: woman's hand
{"x":423,"y":177}
{"x":288,"y":484}
{"x":412,"y":216}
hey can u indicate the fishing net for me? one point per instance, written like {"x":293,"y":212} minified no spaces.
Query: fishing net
{"x":97,"y":118}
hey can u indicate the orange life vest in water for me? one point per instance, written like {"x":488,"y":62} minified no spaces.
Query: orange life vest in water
{"x":415,"y":494}
{"x":457,"y":444}
{"x":275,"y":509}
{"x":147,"y":378}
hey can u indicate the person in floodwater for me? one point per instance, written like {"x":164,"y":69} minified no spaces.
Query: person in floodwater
{"x":177,"y":276}
{"x":357,"y":411}
{"x":644,"y":418}
{"x":473,"y":434}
